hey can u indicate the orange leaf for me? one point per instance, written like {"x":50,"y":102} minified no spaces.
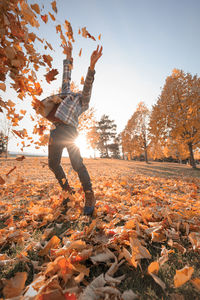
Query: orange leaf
{"x":52,"y":16}
{"x":44,"y":18}
{"x":54,"y":241}
{"x":182,"y":276}
{"x":2,"y":181}
{"x":82,"y":80}
{"x":80,"y":52}
{"x":196,"y":283}
{"x":50,"y":76}
{"x":2,"y":86}
{"x":36,"y":8}
{"x":53,"y":4}
{"x":153,"y":267}
{"x":99,"y":37}
{"x":14,"y":286}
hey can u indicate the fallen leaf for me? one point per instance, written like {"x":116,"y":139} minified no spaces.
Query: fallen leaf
{"x":153,"y":267}
{"x":182,"y":276}
{"x":196,"y":283}
{"x":2,"y":86}
{"x":53,"y":243}
{"x":14,"y":286}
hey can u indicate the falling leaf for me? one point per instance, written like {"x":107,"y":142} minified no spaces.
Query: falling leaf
{"x":3,"y":86}
{"x":52,"y":17}
{"x":14,"y":286}
{"x":182,"y":276}
{"x":80,"y":52}
{"x":53,"y":4}
{"x":99,"y":37}
{"x":50,"y":76}
{"x":47,"y":59}
{"x":36,"y":8}
{"x":82,"y":80}
{"x":44,"y":18}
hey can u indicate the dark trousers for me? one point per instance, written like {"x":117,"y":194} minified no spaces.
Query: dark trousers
{"x":61,"y":137}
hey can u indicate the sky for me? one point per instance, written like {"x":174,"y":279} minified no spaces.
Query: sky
{"x":143,"y":41}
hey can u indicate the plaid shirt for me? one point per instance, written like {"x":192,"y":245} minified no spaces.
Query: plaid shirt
{"x":73,"y":104}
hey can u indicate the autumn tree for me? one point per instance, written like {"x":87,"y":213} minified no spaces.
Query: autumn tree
{"x":93,"y":137}
{"x":106,"y":129}
{"x":176,"y":114}
{"x":136,"y":132}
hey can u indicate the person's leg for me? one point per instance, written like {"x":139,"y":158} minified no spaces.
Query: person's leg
{"x":79,"y":167}
{"x":55,"y":149}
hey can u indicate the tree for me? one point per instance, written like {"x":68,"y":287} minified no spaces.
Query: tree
{"x":176,"y":114}
{"x":93,"y":138}
{"x":114,"y":148}
{"x":106,"y":129}
{"x":135,"y":136}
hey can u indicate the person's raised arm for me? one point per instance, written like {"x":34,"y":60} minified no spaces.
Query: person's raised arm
{"x":67,"y":67}
{"x":87,"y":88}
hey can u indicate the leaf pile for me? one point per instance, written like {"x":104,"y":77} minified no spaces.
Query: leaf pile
{"x":142,"y":243}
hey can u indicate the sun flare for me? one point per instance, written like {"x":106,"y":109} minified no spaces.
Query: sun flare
{"x":81,"y":142}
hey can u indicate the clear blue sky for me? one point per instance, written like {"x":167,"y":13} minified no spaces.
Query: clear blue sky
{"x":143,"y":41}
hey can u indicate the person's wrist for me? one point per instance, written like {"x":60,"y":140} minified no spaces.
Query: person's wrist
{"x":92,"y":66}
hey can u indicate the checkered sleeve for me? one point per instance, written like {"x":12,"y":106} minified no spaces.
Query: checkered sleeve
{"x":87,"y":89}
{"x":67,"y":67}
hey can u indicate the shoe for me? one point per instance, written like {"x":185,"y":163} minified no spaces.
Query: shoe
{"x":89,"y":203}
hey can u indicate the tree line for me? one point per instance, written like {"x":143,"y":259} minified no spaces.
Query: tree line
{"x":170,"y":131}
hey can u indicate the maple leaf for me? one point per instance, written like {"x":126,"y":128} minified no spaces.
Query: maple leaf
{"x":50,"y":76}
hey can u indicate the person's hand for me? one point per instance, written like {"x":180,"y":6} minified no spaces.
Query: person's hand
{"x":67,"y":49}
{"x":95,"y":57}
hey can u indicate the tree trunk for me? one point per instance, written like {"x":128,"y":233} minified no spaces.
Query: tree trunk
{"x":192,"y":161}
{"x":145,"y":155}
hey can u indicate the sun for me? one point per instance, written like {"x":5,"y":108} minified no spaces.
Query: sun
{"x":81,"y":142}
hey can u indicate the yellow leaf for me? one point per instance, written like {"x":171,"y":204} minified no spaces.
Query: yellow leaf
{"x":14,"y":286}
{"x":182,"y":276}
{"x":53,"y":243}
{"x":153,"y":267}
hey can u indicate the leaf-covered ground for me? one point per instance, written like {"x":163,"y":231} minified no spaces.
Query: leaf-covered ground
{"x":142,"y":243}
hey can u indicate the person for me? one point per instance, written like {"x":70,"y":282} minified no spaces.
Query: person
{"x":64,"y":132}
